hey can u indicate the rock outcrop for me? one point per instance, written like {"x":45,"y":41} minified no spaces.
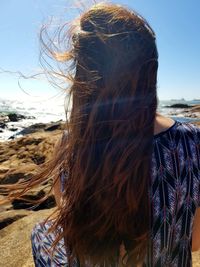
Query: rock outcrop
{"x":19,"y":159}
{"x":15,"y":244}
{"x":186,"y":111}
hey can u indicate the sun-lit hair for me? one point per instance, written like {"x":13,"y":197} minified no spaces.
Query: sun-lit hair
{"x":108,"y":149}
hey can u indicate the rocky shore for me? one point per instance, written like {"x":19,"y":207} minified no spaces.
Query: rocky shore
{"x":19,"y":158}
{"x":185,"y":110}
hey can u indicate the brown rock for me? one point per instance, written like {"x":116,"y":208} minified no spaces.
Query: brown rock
{"x":33,"y":195}
{"x":3,"y":170}
{"x":13,"y":175}
{"x":196,"y":259}
{"x":196,"y":108}
{"x":33,"y":148}
{"x":15,"y":244}
{"x":10,"y":216}
{"x":29,"y":141}
{"x":5,"y":207}
{"x":38,"y":158}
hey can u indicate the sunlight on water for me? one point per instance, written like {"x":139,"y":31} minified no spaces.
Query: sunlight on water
{"x":53,"y":109}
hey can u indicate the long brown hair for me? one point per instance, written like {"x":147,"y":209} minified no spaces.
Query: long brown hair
{"x":106,"y":154}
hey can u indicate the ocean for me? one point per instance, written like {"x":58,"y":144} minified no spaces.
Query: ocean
{"x":53,"y":110}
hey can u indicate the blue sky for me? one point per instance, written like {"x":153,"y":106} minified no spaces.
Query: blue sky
{"x":176,"y":24}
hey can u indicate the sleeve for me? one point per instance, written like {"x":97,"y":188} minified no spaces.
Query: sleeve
{"x":198,"y":156}
{"x":41,"y":242}
{"x":196,"y":163}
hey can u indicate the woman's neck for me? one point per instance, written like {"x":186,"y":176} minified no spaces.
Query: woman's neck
{"x":162,"y":123}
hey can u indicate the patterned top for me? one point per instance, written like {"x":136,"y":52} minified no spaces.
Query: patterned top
{"x":174,"y":194}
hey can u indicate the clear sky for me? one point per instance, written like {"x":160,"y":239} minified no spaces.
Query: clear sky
{"x":176,"y":23}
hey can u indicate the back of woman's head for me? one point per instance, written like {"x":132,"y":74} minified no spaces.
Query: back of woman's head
{"x":109,"y":145}
{"x":116,"y":61}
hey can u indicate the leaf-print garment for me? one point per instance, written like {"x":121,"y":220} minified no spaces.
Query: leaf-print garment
{"x":174,"y":195}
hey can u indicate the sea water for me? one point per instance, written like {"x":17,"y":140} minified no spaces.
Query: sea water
{"x":53,"y":110}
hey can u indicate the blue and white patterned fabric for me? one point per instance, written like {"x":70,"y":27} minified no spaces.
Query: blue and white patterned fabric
{"x":41,"y":246}
{"x":174,"y":194}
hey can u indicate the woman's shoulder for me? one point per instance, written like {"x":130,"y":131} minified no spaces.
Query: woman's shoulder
{"x":176,"y":129}
{"x":189,"y":129}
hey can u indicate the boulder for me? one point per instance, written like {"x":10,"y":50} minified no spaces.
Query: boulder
{"x":53,"y":127}
{"x":3,"y":125}
{"x":41,"y":127}
{"x":13,"y":129}
{"x":15,"y":117}
{"x":37,"y":127}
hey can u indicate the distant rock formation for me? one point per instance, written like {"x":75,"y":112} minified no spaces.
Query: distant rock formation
{"x":179,"y":105}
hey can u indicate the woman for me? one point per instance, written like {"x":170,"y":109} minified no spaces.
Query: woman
{"x":130,"y":178}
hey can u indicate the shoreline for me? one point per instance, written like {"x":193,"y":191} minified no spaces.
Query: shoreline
{"x":14,"y":124}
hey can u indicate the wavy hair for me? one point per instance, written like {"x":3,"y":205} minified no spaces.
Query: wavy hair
{"x":107,"y":152}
